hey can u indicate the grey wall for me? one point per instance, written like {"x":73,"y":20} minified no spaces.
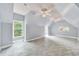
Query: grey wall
{"x":54,"y":29}
{"x":35,"y":25}
{"x":78,"y":32}
{"x":77,"y":4}
{"x":6,"y":19}
{"x":72,"y":16}
{"x":0,"y":35}
{"x":61,"y":6}
{"x":18,"y":17}
{"x":6,"y":34}
{"x":34,"y":31}
{"x":36,"y":19}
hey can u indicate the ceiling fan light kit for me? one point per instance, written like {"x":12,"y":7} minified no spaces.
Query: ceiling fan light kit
{"x":45,"y":10}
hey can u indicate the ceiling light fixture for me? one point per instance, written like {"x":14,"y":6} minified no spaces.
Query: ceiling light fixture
{"x":45,"y":12}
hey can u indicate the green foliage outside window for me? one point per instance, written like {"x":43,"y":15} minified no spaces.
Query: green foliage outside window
{"x":17,"y":29}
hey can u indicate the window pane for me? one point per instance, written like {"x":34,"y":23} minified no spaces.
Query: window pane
{"x":18,"y":27}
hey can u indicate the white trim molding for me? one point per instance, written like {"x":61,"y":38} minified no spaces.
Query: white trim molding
{"x":5,"y":46}
{"x":35,"y":38}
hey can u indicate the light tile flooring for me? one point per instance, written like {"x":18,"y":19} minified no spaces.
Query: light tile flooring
{"x":51,"y":46}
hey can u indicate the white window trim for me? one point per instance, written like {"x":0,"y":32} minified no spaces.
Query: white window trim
{"x":22,"y":28}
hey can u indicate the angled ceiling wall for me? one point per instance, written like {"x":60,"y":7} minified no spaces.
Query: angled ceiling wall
{"x":69,"y":11}
{"x":72,"y":16}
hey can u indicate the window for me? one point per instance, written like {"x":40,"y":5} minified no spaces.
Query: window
{"x":17,"y":28}
{"x":64,"y":29}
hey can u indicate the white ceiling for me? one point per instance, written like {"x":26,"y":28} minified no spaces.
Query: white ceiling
{"x":68,"y":10}
{"x":20,"y":8}
{"x":23,"y":9}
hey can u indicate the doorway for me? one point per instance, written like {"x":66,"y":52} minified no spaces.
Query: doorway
{"x":18,"y":29}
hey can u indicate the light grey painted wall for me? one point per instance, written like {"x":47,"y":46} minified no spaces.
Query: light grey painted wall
{"x":35,"y":25}
{"x":6,"y":34}
{"x":0,"y":35}
{"x":18,"y":17}
{"x":33,"y":18}
{"x":77,"y":4}
{"x":34,"y":31}
{"x":78,"y":32}
{"x":72,"y":16}
{"x":6,"y":17}
{"x":54,"y":29}
{"x":6,"y":12}
{"x":61,"y":6}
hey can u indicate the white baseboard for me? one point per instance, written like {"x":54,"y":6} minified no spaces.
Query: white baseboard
{"x":66,"y":37}
{"x":5,"y":46}
{"x":69,"y":37}
{"x":35,"y":38}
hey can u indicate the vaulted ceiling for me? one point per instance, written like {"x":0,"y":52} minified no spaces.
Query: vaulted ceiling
{"x":67,"y":11}
{"x":23,"y":8}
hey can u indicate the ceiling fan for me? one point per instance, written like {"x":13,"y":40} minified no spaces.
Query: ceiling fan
{"x":46,"y":10}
